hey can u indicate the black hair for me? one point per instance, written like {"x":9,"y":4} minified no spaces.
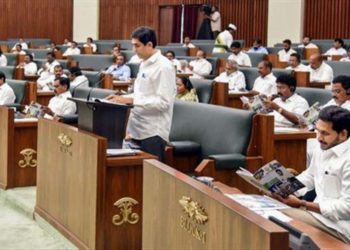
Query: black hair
{"x":267,"y":64}
{"x":30,"y":56}
{"x":339,"y":40}
{"x":145,"y":35}
{"x":91,"y":40}
{"x":339,"y":117}
{"x":297,"y":56}
{"x":76,"y":71}
{"x":171,"y":52}
{"x":258,"y":41}
{"x":19,"y":45}
{"x":343,"y":80}
{"x":288,"y":41}
{"x":64,"y":81}
{"x":288,"y":80}
{"x":51,"y":54}
{"x":0,"y":51}
{"x":2,"y":76}
{"x":235,"y":45}
{"x":187,"y":83}
{"x":114,"y":59}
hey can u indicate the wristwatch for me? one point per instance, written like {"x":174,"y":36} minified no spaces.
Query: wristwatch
{"x":303,"y":205}
{"x":280,"y":110}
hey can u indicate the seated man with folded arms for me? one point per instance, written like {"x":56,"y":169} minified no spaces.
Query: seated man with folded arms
{"x":47,"y":70}
{"x":200,"y":67}
{"x":340,"y":92}
{"x":90,"y":43}
{"x":295,"y":63}
{"x":319,"y":70}
{"x":347,"y":58}
{"x":239,"y":56}
{"x":266,"y":83}
{"x":72,"y":50}
{"x":338,"y":48}
{"x":7,"y":95}
{"x":231,"y":75}
{"x":30,"y":67}
{"x":18,"y":50}
{"x":307,"y":44}
{"x":119,"y":69}
{"x":59,"y":105}
{"x":171,"y":56}
{"x":288,"y":106}
{"x":21,"y":42}
{"x":77,"y":79}
{"x":258,"y":47}
{"x":47,"y":83}
{"x":187,"y":43}
{"x":329,"y":175}
{"x":284,"y":54}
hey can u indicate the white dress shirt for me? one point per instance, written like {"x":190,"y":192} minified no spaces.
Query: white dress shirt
{"x":24,"y":46}
{"x":241,"y":58}
{"x":154,"y":94}
{"x":3,"y":60}
{"x":7,"y":95}
{"x":224,"y":38}
{"x":49,"y":67}
{"x":300,"y":67}
{"x":176,"y":63}
{"x":79,"y":81}
{"x":324,"y":73}
{"x":46,"y":84}
{"x":266,"y":85}
{"x":190,"y":45}
{"x":92,"y":45}
{"x":71,"y":52}
{"x":329,"y":175}
{"x":331,"y":102}
{"x":309,"y":46}
{"x":345,"y":59}
{"x":135,"y":59}
{"x":334,"y":52}
{"x":61,"y":106}
{"x":30,"y":69}
{"x":283,"y":55}
{"x":201,"y":68}
{"x":236,"y":80}
{"x":294,"y":104}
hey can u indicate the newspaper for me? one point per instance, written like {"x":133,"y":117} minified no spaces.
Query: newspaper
{"x":34,"y":110}
{"x":310,"y":116}
{"x":256,"y":103}
{"x":272,"y":178}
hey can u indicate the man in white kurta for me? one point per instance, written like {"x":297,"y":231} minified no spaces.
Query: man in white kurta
{"x":239,"y":56}
{"x":200,"y":67}
{"x":7,"y":95}
{"x":266,"y":83}
{"x":337,"y":49}
{"x":232,"y":76}
{"x":284,"y":54}
{"x":319,"y":70}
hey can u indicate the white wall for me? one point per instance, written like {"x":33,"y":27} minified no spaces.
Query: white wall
{"x":85,"y":19}
{"x":285,"y":20}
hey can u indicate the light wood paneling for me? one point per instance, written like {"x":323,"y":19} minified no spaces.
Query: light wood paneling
{"x":118,"y":18}
{"x":327,"y":19}
{"x":36,"y":19}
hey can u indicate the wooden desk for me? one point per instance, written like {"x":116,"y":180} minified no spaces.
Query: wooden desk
{"x":43,"y":97}
{"x":18,"y":142}
{"x":322,"y":239}
{"x":276,"y":63}
{"x":290,"y":148}
{"x":234,"y":99}
{"x":86,"y":195}
{"x":122,"y":85}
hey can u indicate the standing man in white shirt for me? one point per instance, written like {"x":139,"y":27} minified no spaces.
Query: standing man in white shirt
{"x":239,"y":56}
{"x":284,"y":54}
{"x":231,"y":75}
{"x":295,"y":63}
{"x":224,"y":40}
{"x":153,"y":98}
{"x":288,"y":106}
{"x":329,"y":175}
{"x":338,"y":48}
{"x":319,"y":70}
{"x":200,"y":67}
{"x":30,"y":67}
{"x":266,"y":83}
{"x":215,"y":21}
{"x":7,"y":95}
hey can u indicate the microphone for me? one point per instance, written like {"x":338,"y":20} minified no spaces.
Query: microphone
{"x":98,"y":85}
{"x":73,"y":91}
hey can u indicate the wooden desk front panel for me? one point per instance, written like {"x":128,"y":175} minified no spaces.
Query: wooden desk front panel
{"x":44,"y":97}
{"x":6,"y":152}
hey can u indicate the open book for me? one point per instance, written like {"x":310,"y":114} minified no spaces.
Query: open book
{"x":272,"y":178}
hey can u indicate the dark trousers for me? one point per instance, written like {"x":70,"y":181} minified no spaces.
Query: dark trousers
{"x":154,"y":145}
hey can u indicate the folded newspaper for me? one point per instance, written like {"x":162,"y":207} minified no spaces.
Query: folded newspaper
{"x":272,"y":178}
{"x":256,"y":103}
{"x":34,"y":110}
{"x":310,"y":116}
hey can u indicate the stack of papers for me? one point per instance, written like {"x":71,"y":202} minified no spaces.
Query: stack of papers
{"x":121,"y":152}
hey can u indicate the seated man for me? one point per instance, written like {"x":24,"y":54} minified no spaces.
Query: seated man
{"x":184,"y":69}
{"x":72,"y":50}
{"x":119,"y":69}
{"x":307,"y":44}
{"x":47,"y":70}
{"x":116,"y":50}
{"x":284,"y":54}
{"x":21,"y":42}
{"x":30,"y":67}
{"x":47,"y":83}
{"x":258,"y":48}
{"x":288,"y":106}
{"x":90,"y":43}
{"x":295,"y":63}
{"x":66,"y":42}
{"x":328,"y":174}
{"x":266,"y":82}
{"x":347,"y":58}
{"x":171,"y":56}
{"x":187,"y":43}
{"x":234,"y":77}
{"x":319,"y":71}
{"x":77,"y":79}
{"x":340,"y":92}
{"x":7,"y":95}
{"x":18,"y":50}
{"x":59,"y":105}
{"x":200,"y":67}
{"x":240,"y":57}
{"x":338,"y":48}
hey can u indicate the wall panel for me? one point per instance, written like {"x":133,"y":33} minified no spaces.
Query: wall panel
{"x":36,"y":19}
{"x":118,"y":18}
{"x":327,"y":19}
